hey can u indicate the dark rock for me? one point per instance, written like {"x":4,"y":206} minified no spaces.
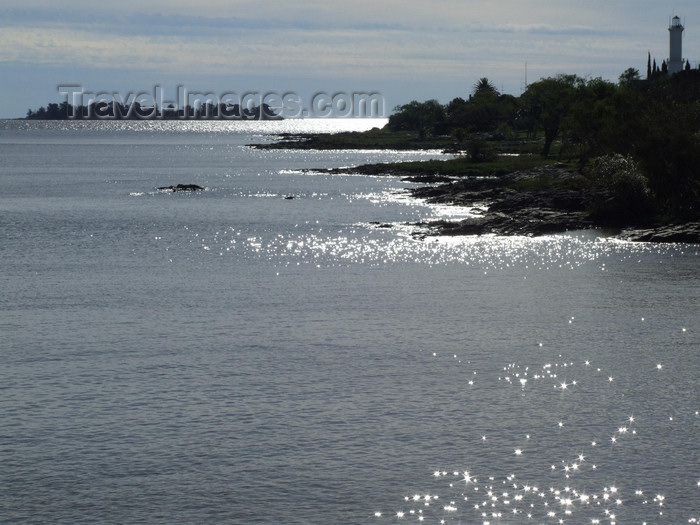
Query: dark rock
{"x":427,"y":178}
{"x":510,"y":211}
{"x":182,"y":187}
{"x":526,"y":221}
{"x":687,"y":233}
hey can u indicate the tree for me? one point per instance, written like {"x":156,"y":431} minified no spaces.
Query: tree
{"x":590,"y":122}
{"x":484,"y":90}
{"x":418,"y":116}
{"x":547,"y":102}
{"x":483,"y":112}
{"x":629,"y":77}
{"x":53,"y":111}
{"x":627,"y":198}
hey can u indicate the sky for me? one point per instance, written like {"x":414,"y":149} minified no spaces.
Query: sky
{"x":402,"y":49}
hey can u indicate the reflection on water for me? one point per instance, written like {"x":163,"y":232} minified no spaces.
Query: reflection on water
{"x":595,"y":458}
{"x":374,"y":245}
{"x":593,"y":473}
{"x":233,"y":356}
{"x":237,"y":127}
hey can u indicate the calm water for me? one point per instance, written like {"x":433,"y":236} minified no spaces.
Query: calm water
{"x":232,"y":356}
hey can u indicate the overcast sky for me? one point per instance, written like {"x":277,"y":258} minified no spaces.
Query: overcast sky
{"x":405,"y":49}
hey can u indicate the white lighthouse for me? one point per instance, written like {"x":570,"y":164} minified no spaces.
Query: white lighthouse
{"x":675,"y":59}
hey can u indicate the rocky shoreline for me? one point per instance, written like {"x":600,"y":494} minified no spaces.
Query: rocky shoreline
{"x":507,"y":210}
{"x":514,"y":204}
{"x":540,"y":200}
{"x":354,"y":140}
{"x":685,"y":233}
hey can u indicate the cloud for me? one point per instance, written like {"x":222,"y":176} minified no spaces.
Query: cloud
{"x":289,"y":51}
{"x":326,"y":45}
{"x":176,"y":17}
{"x":402,"y":43}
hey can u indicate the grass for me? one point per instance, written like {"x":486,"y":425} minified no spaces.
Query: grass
{"x":543,"y":182}
{"x":520,"y":153}
{"x":376,"y":139}
{"x":463,"y":166}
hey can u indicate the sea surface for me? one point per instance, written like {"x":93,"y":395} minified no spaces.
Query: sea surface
{"x":236,"y":356}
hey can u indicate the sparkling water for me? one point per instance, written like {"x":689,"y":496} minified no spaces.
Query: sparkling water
{"x":237,"y":356}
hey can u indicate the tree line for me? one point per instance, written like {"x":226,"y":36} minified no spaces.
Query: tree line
{"x":654,"y":122}
{"x":102,"y":110}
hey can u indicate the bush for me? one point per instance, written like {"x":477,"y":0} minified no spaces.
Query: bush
{"x":480,"y":151}
{"x":624,"y":195}
{"x":504,"y":132}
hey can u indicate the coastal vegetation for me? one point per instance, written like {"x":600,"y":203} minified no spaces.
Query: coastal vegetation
{"x":112,"y":110}
{"x":630,"y":150}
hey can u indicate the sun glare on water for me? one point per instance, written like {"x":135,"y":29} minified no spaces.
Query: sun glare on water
{"x":599,"y":478}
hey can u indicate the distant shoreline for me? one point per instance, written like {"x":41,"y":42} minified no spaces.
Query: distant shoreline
{"x":116,"y":111}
